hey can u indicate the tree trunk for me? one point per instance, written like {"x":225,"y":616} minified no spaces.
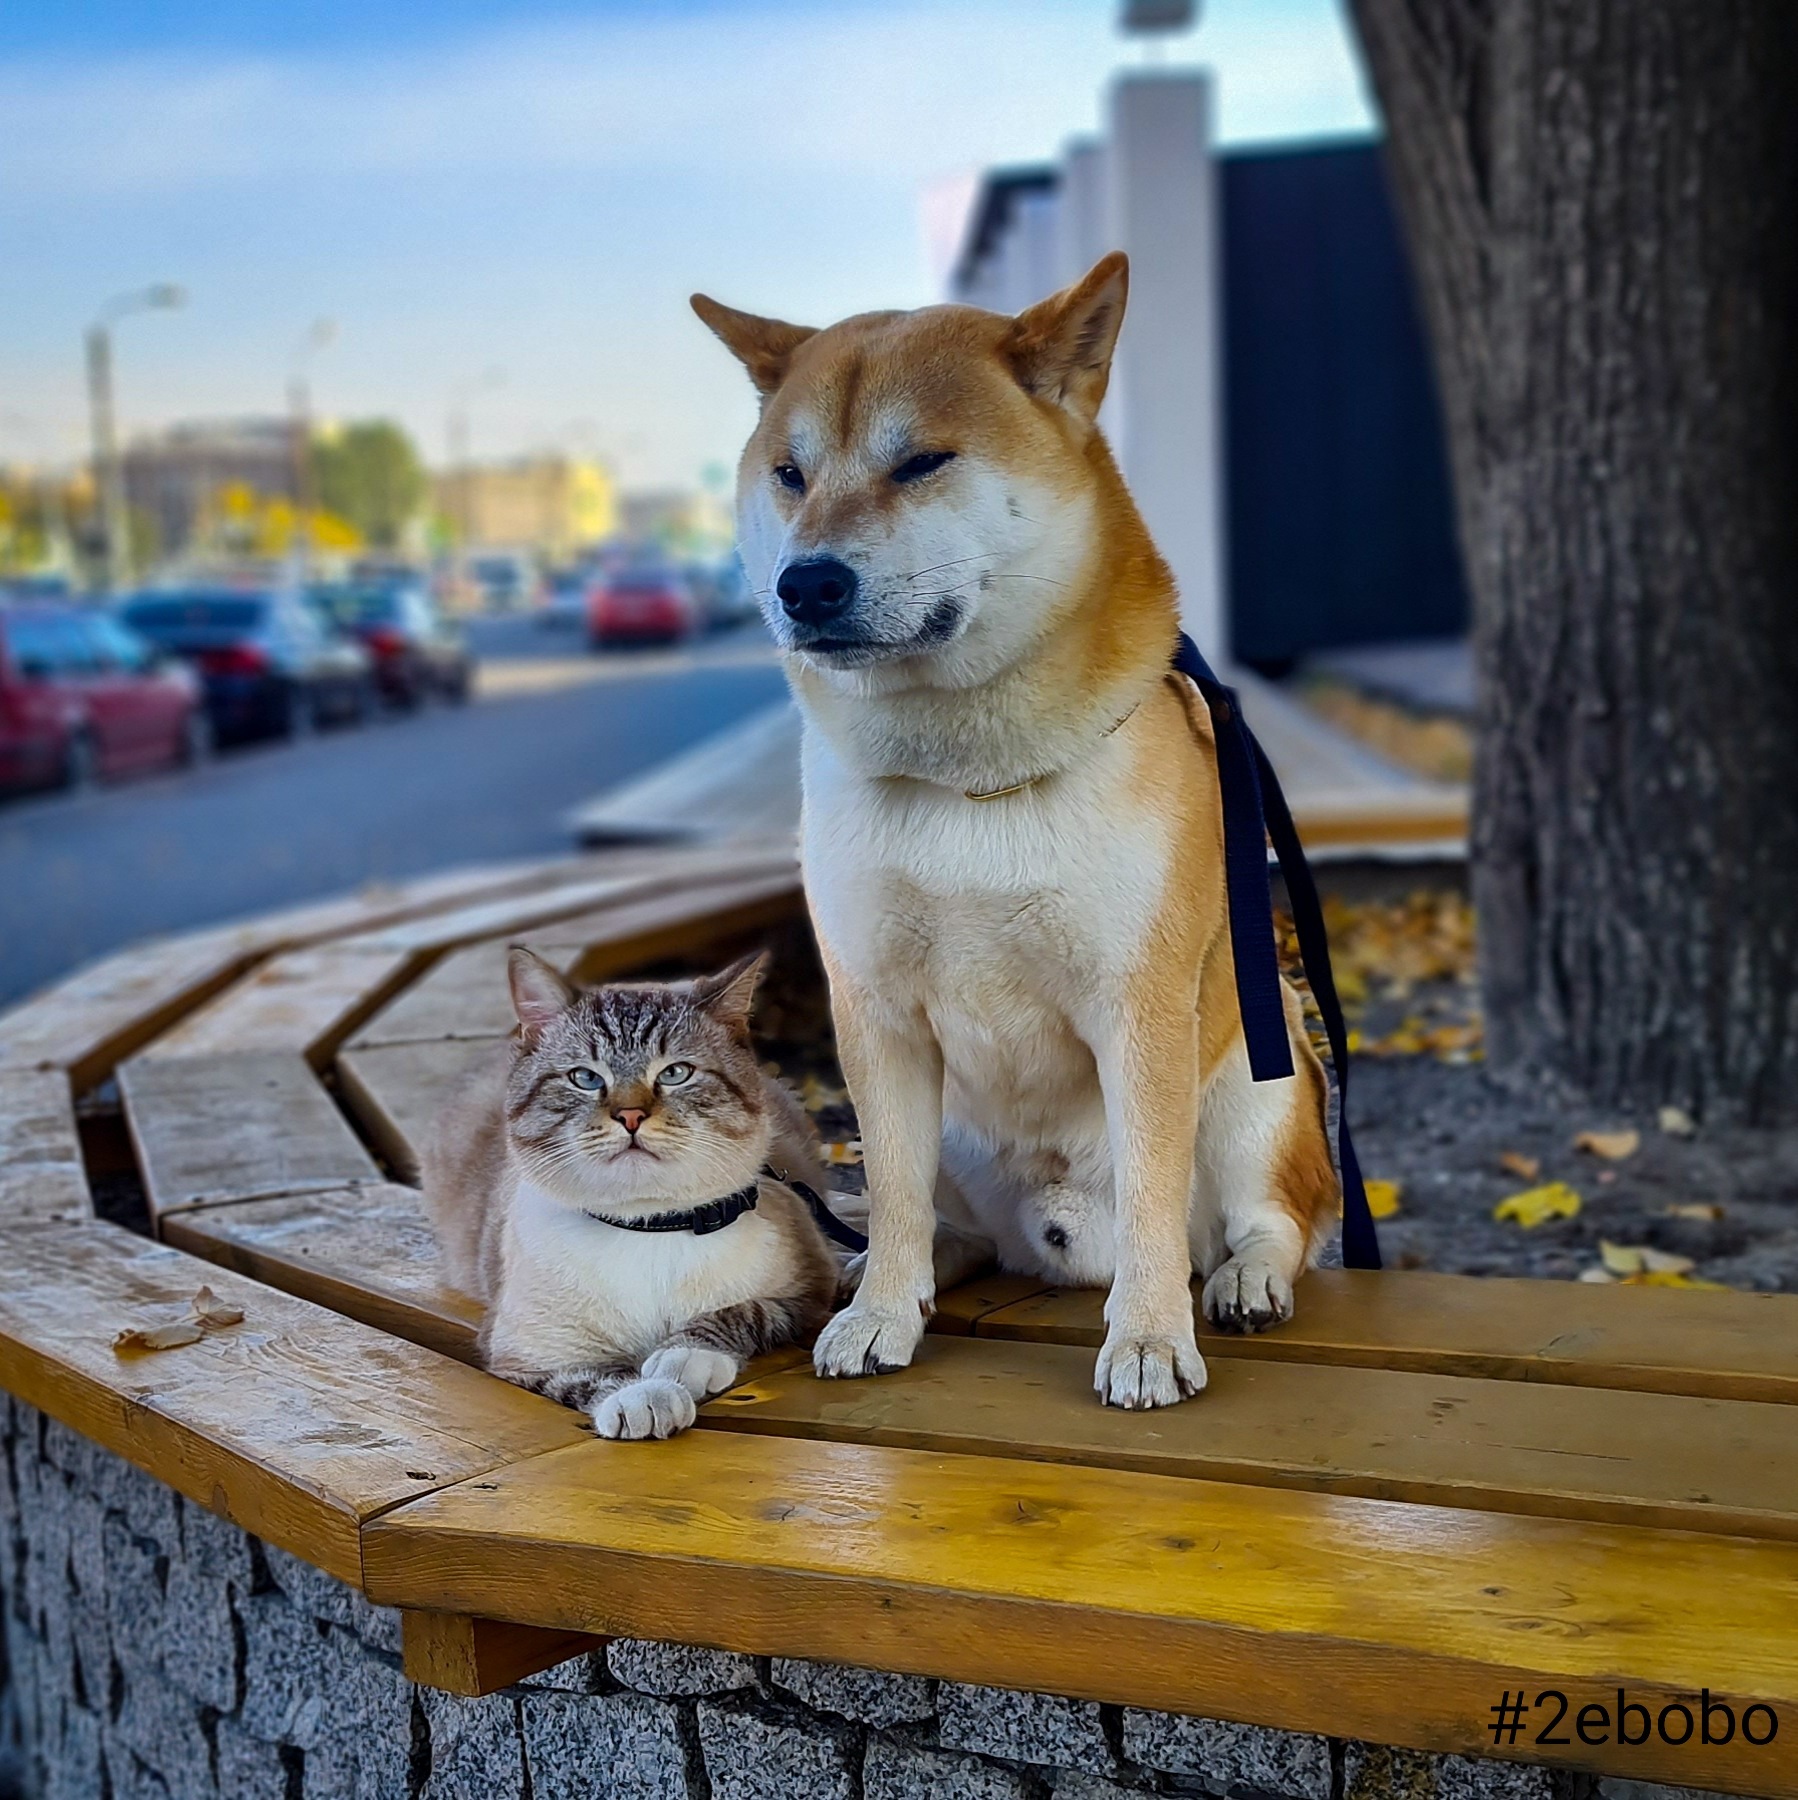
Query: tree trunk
{"x":1601,"y":198}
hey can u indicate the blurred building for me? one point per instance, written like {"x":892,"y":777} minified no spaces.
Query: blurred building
{"x":1272,"y":402}
{"x":691,"y":521}
{"x":174,"y":477}
{"x":548,"y":503}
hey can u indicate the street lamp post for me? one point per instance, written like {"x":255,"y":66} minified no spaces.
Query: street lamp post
{"x":319,"y":336}
{"x":109,"y":473}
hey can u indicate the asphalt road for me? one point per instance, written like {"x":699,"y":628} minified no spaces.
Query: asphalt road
{"x":272,"y":824}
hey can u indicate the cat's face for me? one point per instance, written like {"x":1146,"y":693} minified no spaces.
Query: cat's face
{"x":636,"y":1098}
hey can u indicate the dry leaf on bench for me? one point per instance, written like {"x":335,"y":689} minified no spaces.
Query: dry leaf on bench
{"x":1554,"y":1200}
{"x":1613,"y":1146}
{"x":1677,"y":1122}
{"x":211,"y":1310}
{"x":1514,"y":1162}
{"x":160,"y":1337}
{"x":1382,"y":1197}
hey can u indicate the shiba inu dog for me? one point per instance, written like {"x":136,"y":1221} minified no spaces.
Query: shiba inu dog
{"x":1012,"y":841}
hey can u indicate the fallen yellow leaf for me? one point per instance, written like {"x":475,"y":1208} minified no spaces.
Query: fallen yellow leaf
{"x":1677,"y":1122}
{"x":1642,"y":1259}
{"x":841,"y":1155}
{"x":1672,"y":1278}
{"x":1514,"y":1162}
{"x":1695,"y":1209}
{"x":1554,"y":1200}
{"x":1382,"y":1197}
{"x":1613,"y":1146}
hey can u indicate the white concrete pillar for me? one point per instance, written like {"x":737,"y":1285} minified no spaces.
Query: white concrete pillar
{"x":1082,"y":236}
{"x":1162,"y":209}
{"x":1033,"y":242}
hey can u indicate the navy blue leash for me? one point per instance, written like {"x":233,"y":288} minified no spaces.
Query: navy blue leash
{"x":1255,"y":811}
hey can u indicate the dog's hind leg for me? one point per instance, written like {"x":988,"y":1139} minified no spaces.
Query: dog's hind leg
{"x":1261,"y":1162}
{"x":895,"y":1073}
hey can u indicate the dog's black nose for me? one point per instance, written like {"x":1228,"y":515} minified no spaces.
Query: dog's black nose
{"x":817,"y":590}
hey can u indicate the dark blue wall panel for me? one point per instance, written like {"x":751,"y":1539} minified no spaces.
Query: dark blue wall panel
{"x":1340,"y":519}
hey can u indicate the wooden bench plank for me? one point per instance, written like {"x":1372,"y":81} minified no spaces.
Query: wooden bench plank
{"x":525,"y":914}
{"x":367,"y":1253}
{"x":297,"y":1424}
{"x":460,"y":1655}
{"x":396,"y":1090}
{"x":465,"y":995}
{"x":305,"y":1001}
{"x":41,"y":1172}
{"x":960,"y":1310}
{"x":213,"y":1129}
{"x":1373,"y":1619}
{"x":1729,"y":1346}
{"x":1447,"y":1440}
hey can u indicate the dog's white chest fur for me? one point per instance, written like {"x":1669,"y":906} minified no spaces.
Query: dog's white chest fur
{"x":1001,"y":922}
{"x":600,"y":1291}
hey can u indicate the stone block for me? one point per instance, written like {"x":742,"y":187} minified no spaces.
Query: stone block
{"x":753,"y":1752}
{"x":1033,"y":1728}
{"x":1294,"y":1765}
{"x":148,"y":1506}
{"x":160,"y":1726}
{"x":197,"y":1636}
{"x":248,"y":1769}
{"x":72,"y":1755}
{"x":1612,"y":1787}
{"x":287,"y":1663}
{"x":621,"y":1746}
{"x":475,"y":1748}
{"x":583,"y":1674}
{"x":895,"y":1771}
{"x":1375,"y":1772}
{"x":322,"y":1596}
{"x":678,"y":1669}
{"x":216,"y":1547}
{"x":1071,"y":1784}
{"x":865,"y":1695}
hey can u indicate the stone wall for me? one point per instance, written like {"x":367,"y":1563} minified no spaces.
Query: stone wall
{"x":153,"y":1652}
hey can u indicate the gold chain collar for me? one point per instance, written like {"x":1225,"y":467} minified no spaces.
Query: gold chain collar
{"x":1030,"y":781}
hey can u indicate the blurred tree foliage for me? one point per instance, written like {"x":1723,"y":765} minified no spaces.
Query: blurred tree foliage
{"x":370,"y":474}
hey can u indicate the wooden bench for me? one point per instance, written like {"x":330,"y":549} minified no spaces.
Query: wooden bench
{"x":1424,"y":1492}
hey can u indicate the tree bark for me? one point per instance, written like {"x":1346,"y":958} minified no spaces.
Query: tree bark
{"x":1601,"y":198}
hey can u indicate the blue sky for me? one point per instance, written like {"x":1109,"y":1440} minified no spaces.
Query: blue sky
{"x":479,"y":185}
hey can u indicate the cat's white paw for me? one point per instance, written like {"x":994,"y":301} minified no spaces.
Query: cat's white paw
{"x":1247,"y":1294}
{"x":1137,"y":1371}
{"x":863,"y":1341}
{"x":700,"y":1371}
{"x":644,"y":1409}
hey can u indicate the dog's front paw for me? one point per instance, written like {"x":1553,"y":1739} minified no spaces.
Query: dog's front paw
{"x":1247,"y":1295}
{"x":700,"y":1371}
{"x":647,"y":1408}
{"x":1138,"y":1372}
{"x":862,"y":1340}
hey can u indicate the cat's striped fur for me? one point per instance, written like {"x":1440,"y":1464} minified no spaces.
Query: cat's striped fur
{"x":625,"y":1102}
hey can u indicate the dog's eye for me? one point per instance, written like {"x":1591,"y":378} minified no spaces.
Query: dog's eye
{"x":675,"y":1075}
{"x":926,"y":462}
{"x":787,"y":474}
{"x":589,"y":1081}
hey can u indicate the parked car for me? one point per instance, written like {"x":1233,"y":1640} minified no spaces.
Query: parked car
{"x":641,"y":603}
{"x":80,"y":697}
{"x":415,"y":650}
{"x":565,"y":599}
{"x":269,"y":664}
{"x":507,"y":579}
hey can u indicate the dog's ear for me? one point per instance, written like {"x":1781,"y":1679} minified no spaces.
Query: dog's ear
{"x":1061,"y":347}
{"x":763,"y":346}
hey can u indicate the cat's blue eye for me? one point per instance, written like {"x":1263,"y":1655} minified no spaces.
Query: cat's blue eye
{"x":675,"y":1074}
{"x":589,"y":1081}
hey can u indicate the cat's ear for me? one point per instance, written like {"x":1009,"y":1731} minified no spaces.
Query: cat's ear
{"x":729,"y":994}
{"x":539,"y":992}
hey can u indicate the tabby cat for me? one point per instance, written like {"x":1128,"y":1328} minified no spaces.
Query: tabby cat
{"x":610,"y":1191}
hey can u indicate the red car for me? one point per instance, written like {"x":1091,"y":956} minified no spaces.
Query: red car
{"x":639,"y":606}
{"x":80,"y":697}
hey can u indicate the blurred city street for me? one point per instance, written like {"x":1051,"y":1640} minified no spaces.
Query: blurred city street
{"x":276,"y":823}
